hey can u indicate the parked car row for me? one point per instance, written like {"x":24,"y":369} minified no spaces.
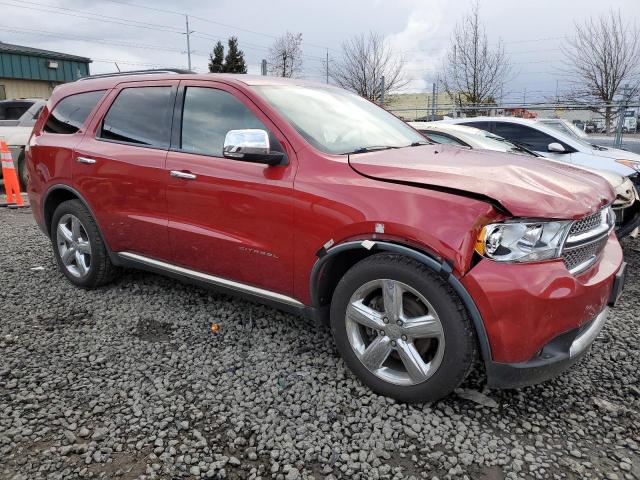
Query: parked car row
{"x":626,"y":205}
{"x":426,"y":259}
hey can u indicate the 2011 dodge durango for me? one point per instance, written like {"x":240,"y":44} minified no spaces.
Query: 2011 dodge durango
{"x":427,"y":259}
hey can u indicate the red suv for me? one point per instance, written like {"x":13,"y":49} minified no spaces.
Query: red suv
{"x":425,"y":258}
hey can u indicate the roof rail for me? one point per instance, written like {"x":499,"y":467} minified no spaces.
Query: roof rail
{"x":136,"y":72}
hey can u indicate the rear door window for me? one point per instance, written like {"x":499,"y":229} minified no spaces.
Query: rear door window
{"x":71,"y":112}
{"x":529,"y":137}
{"x":140,"y":116}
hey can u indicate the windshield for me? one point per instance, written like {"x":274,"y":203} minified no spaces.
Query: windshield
{"x":336,"y":121}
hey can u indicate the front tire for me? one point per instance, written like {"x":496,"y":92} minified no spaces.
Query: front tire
{"x":78,"y":246}
{"x":401,"y":329}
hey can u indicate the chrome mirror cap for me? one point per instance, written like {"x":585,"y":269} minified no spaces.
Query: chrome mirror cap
{"x":252,"y":141}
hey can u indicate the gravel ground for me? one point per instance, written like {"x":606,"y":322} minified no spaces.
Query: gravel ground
{"x":130,"y":382}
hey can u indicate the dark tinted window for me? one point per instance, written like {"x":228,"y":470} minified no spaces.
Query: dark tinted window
{"x":440,"y":138}
{"x":529,"y":137}
{"x":71,"y":112}
{"x":140,"y":115}
{"x":13,"y":110}
{"x":480,"y":125}
{"x":209,"y":114}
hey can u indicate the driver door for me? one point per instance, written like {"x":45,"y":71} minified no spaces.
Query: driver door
{"x":228,"y":218}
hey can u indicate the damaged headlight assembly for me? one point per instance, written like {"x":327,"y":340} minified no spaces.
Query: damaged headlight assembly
{"x":522,"y":241}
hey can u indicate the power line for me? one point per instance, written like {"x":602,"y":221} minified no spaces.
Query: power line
{"x":97,"y":17}
{"x":214,"y":22}
{"x":88,"y":40}
{"x":248,"y":45}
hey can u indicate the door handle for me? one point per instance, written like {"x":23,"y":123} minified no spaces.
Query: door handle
{"x":89,"y":161}
{"x":184,"y":175}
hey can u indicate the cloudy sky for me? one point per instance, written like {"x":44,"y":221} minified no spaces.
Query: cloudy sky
{"x":135,"y":37}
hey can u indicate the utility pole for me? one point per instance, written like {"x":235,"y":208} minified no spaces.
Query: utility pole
{"x":264,"y":67}
{"x":382,"y":90}
{"x":189,"y":32}
{"x":284,"y":63}
{"x":433,"y":103}
{"x":621,"y":115}
{"x":327,"y":65}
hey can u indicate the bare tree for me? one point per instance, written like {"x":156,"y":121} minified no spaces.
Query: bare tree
{"x":366,"y":60}
{"x":603,"y":55}
{"x":285,"y":56}
{"x":473,"y":72}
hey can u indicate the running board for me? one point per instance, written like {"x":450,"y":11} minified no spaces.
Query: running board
{"x":211,"y":279}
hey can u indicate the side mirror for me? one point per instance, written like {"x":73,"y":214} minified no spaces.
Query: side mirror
{"x":556,"y":147}
{"x":250,"y":145}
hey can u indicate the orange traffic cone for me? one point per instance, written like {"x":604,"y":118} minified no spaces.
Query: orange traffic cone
{"x":11,"y":185}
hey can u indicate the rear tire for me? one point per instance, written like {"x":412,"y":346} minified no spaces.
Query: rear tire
{"x":401,"y":329}
{"x":80,"y":252}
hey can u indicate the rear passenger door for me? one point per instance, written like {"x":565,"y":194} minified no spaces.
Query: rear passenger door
{"x":120,"y":166}
{"x":231,"y":219}
{"x":52,"y":147}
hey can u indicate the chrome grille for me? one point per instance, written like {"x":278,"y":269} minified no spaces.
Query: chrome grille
{"x":586,"y":224}
{"x":586,"y":239}
{"x":583,"y":256}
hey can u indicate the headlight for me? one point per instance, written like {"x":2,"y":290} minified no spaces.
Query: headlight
{"x":526,"y":241}
{"x":633,"y":164}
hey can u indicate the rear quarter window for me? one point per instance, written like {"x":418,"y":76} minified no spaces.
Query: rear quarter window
{"x":71,"y":112}
{"x":140,"y":116}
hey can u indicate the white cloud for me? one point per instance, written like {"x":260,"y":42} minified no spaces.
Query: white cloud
{"x":422,"y":44}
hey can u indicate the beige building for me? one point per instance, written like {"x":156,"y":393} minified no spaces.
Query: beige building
{"x":412,"y":106}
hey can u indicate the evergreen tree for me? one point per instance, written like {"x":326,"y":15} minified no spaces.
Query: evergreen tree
{"x":234,"y":61}
{"x":216,"y":59}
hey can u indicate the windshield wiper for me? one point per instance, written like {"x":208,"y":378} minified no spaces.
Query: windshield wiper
{"x":372,"y":148}
{"x":417,"y":144}
{"x":519,"y":146}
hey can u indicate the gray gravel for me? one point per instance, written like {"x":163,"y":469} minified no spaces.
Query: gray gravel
{"x":129,"y":382}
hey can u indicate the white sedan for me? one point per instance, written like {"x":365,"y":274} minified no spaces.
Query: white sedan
{"x":552,"y":143}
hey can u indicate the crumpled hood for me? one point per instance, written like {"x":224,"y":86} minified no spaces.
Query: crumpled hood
{"x":525,"y":186}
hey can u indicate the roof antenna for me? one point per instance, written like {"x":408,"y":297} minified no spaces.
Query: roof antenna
{"x":116,"y":64}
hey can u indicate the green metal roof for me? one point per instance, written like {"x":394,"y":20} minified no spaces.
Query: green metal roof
{"x":28,"y":63}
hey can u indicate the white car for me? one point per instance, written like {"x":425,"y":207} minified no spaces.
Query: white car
{"x":626,"y":205}
{"x":552,"y":143}
{"x":17,"y":118}
{"x":440,"y":132}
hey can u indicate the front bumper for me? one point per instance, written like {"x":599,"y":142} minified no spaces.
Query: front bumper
{"x":556,"y":356}
{"x":533,"y":313}
{"x":628,"y":220}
